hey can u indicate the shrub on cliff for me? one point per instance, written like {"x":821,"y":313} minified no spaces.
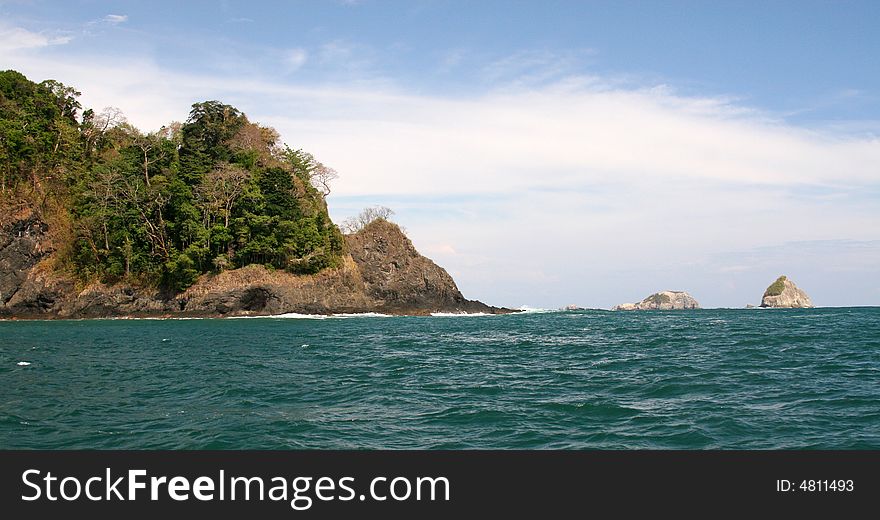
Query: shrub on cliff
{"x":366,"y":217}
{"x":776,"y":287}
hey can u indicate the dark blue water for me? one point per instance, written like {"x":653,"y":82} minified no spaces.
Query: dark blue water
{"x":593,"y":379}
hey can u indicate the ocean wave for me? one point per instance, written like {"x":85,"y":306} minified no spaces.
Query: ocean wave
{"x":143,"y":318}
{"x":534,"y":310}
{"x":286,"y":315}
{"x":361,"y":315}
{"x":458,"y":314}
{"x":301,"y":316}
{"x":606,"y":380}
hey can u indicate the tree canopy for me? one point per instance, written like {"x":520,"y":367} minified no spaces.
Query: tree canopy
{"x":214,"y":192}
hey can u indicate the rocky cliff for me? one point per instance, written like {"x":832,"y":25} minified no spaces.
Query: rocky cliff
{"x":662,"y":301}
{"x":395,"y":274}
{"x":24,"y":246}
{"x":783,"y":293}
{"x":382,"y":272}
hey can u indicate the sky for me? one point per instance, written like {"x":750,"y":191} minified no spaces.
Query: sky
{"x":545,"y":153}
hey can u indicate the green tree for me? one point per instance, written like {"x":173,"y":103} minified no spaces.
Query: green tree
{"x":163,"y":208}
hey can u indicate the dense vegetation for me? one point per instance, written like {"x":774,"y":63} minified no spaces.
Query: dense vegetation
{"x":776,"y":287}
{"x":215,"y":192}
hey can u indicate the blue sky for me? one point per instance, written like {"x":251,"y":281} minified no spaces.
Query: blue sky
{"x":544,"y":152}
{"x":808,"y":60}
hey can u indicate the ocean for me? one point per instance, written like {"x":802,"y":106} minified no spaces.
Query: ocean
{"x":707,"y":379}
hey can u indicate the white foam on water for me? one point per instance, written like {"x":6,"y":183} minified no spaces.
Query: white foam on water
{"x":296,"y":316}
{"x":531,"y":310}
{"x":23,"y":364}
{"x":299,"y":316}
{"x":361,"y":315}
{"x":287,"y":316}
{"x":146,"y":318}
{"x":458,"y":314}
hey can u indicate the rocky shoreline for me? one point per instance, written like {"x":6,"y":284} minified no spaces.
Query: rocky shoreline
{"x":381,"y":273}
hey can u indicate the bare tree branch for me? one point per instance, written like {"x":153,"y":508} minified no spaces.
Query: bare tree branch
{"x":220,"y":189}
{"x":366,"y":217}
{"x":321,"y":177}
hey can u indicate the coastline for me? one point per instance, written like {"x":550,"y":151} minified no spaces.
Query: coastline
{"x":415,"y":313}
{"x":501,"y":311}
{"x":380,"y":272}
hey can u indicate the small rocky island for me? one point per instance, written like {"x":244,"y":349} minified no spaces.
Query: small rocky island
{"x":784,"y":294}
{"x":661,"y":301}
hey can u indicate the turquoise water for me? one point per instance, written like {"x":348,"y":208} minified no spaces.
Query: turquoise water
{"x":592,"y":379}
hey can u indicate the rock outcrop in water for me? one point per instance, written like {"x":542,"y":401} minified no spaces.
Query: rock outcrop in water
{"x":381,"y":272}
{"x":662,"y":301}
{"x":395,"y":274}
{"x":783,"y":293}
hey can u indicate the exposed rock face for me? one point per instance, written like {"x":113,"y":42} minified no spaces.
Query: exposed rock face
{"x":395,"y":274}
{"x":662,"y":301}
{"x":23,"y":245}
{"x":256,"y":290}
{"x":783,"y":293}
{"x":20,"y":250}
{"x":382,"y":273}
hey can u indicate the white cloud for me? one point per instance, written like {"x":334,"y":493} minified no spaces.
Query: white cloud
{"x":17,"y":38}
{"x":346,"y":58}
{"x":451,"y":59}
{"x":295,"y":58}
{"x":115,"y":19}
{"x":536,"y":66}
{"x":504,"y":142}
{"x":441,"y":249}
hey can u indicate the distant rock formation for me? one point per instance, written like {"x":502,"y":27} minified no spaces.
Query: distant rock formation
{"x":662,"y":301}
{"x":783,"y":293}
